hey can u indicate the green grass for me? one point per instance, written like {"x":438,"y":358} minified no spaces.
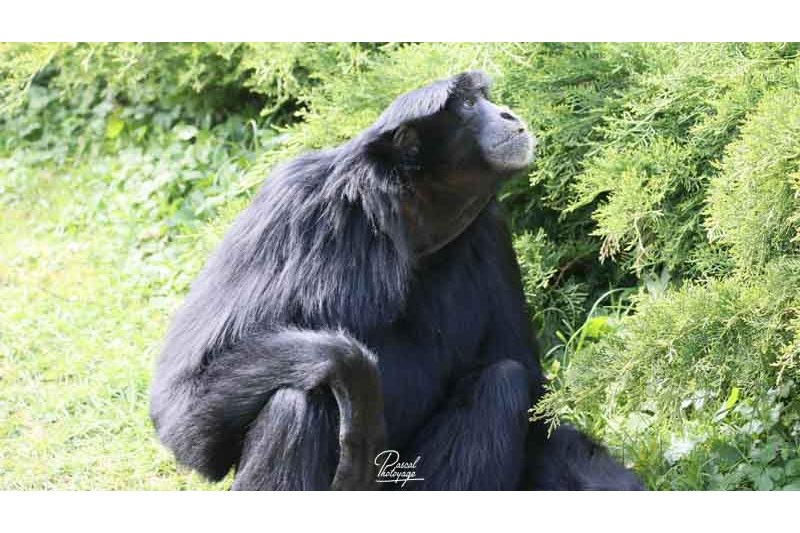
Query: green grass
{"x":80,"y":325}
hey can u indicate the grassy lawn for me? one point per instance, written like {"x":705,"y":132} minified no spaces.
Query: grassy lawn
{"x":80,"y":325}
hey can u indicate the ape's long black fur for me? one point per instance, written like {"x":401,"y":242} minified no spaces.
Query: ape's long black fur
{"x":318,"y":251}
{"x":321,"y":247}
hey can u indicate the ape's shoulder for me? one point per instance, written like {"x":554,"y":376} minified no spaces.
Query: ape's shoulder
{"x":299,"y":179}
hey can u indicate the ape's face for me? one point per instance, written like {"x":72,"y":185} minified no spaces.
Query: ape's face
{"x":469,"y":146}
{"x":502,"y":140}
{"x":453,"y":147}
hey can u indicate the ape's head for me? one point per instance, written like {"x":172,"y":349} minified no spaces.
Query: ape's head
{"x":451,"y":123}
{"x":452,"y":148}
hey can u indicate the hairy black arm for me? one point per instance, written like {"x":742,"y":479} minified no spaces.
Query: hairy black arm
{"x":203,"y":416}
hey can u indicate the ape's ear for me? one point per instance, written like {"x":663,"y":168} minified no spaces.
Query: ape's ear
{"x":405,"y":140}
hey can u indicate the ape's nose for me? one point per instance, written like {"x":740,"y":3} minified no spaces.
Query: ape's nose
{"x":508,"y":116}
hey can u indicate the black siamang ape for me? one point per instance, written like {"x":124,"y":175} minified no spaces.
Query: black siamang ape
{"x":369,"y":299}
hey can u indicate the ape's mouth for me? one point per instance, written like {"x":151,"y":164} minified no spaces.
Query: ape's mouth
{"x":510,"y":137}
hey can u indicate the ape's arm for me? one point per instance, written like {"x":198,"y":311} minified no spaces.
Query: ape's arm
{"x":203,"y":417}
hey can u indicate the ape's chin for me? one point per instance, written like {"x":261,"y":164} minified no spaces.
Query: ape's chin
{"x":512,"y":155}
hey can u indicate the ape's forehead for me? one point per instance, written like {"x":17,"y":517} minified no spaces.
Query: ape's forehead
{"x":473,"y":82}
{"x":430,"y":99}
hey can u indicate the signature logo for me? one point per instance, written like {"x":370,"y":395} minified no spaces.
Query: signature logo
{"x":392,"y":470}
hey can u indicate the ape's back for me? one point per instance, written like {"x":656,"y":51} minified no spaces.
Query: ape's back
{"x":314,"y":249}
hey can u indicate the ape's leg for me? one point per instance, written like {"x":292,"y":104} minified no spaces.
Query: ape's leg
{"x":292,"y":445}
{"x":569,"y":460}
{"x":206,"y":415}
{"x":477,"y":441}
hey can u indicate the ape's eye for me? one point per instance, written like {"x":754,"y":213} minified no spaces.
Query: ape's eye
{"x":469,"y":101}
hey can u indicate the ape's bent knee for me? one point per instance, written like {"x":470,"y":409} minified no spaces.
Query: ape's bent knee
{"x":508,"y":380}
{"x":509,"y":371}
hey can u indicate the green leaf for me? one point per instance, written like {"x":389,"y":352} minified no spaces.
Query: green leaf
{"x":727,"y":454}
{"x":764,"y":482}
{"x":792,"y":468}
{"x":766,"y":453}
{"x":114,"y":125}
{"x":596,"y":327}
{"x":733,"y":397}
{"x":185,"y":132}
{"x":730,"y":402}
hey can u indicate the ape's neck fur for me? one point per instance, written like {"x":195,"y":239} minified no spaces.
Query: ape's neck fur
{"x":436,"y":216}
